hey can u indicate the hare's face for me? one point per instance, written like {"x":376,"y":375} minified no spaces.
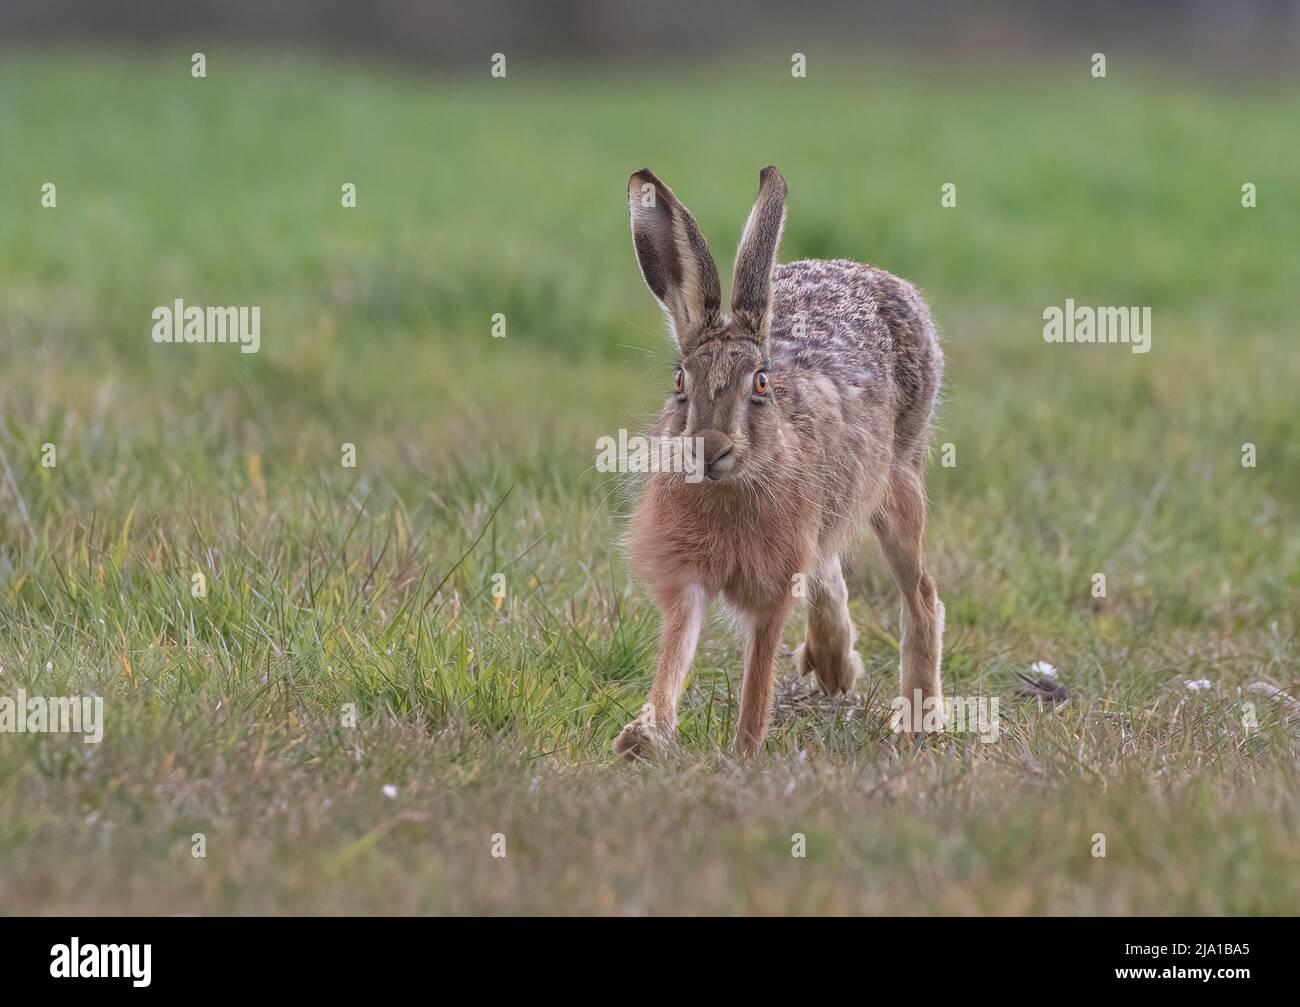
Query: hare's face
{"x":723,"y":396}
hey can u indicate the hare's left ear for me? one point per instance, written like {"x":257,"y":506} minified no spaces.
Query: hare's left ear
{"x":674,"y":259}
{"x":751,"y":287}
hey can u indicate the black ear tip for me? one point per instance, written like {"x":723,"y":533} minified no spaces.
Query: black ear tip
{"x":771,"y":175}
{"x":643,"y":177}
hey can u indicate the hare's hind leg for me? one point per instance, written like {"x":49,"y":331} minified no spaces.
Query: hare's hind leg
{"x":827,"y":649}
{"x":900,"y":524}
{"x":683,"y":618}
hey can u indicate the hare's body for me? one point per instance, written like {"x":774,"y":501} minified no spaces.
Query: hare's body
{"x":849,"y":367}
{"x":855,"y":368}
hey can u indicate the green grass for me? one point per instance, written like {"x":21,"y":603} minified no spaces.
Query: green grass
{"x":330,"y":586}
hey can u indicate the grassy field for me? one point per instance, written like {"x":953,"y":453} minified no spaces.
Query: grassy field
{"x":480,"y":717}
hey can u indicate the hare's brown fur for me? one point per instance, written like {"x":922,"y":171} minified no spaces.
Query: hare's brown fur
{"x":836,"y":441}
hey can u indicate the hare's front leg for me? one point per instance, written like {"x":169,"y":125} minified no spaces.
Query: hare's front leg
{"x":683,"y":617}
{"x":900,"y":525}
{"x":756,"y":694}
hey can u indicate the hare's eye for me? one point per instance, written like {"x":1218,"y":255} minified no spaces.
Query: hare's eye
{"x":679,"y":382}
{"x":760,"y":383}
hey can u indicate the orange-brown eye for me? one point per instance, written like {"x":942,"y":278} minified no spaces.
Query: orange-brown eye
{"x":680,"y":381}
{"x":760,"y":383}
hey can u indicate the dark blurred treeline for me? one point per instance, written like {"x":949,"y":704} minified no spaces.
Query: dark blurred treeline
{"x":1220,"y":33}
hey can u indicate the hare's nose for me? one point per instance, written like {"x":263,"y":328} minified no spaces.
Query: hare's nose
{"x":717,"y":455}
{"x":716,"y":446}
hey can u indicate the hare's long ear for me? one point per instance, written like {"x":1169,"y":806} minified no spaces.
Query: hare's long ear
{"x":674,"y":258}
{"x":751,"y":288}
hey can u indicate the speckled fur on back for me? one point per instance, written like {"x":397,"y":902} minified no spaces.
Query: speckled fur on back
{"x":813,"y":400}
{"x":861,"y":325}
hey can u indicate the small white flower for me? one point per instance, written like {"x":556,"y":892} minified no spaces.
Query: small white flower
{"x":1196,"y":685}
{"x":1043,"y":668}
{"x":390,"y":790}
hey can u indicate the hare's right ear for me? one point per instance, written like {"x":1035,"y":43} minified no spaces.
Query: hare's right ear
{"x":751,"y":288}
{"x":674,"y":259}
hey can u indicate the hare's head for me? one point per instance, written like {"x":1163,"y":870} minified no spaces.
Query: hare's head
{"x":722,"y":392}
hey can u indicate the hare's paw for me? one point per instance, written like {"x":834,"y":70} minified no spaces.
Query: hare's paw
{"x":639,"y":740}
{"x":835,"y":675}
{"x":920,"y":715}
{"x":853,"y":671}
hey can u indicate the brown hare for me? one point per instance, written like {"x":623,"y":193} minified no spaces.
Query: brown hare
{"x":812,"y":402}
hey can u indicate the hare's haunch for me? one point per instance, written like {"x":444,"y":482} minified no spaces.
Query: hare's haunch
{"x":811,"y":401}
